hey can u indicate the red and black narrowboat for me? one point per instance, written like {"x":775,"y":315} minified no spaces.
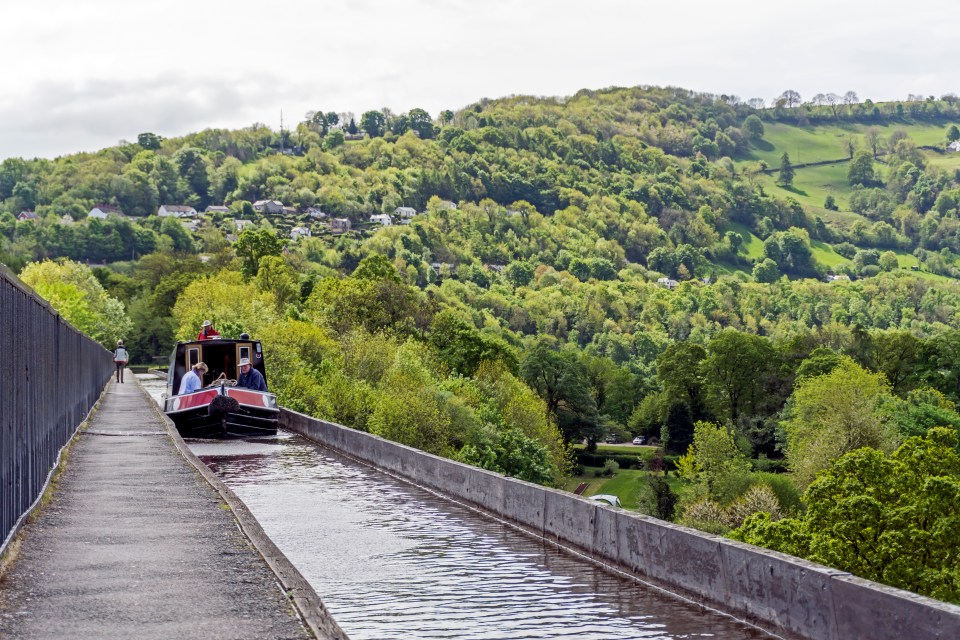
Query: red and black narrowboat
{"x":219,"y":409}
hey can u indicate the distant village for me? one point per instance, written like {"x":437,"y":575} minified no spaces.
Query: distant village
{"x":290,"y":221}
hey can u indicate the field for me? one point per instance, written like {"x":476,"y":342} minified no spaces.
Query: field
{"x":625,"y":484}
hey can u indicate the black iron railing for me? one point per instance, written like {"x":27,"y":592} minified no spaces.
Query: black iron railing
{"x":50,"y":377}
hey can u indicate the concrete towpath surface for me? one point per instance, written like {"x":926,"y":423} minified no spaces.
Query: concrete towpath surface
{"x":136,"y":542}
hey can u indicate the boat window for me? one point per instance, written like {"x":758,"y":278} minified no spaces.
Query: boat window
{"x":193,"y":357}
{"x":243,"y":351}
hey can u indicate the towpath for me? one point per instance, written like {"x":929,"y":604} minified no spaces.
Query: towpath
{"x":135,"y":542}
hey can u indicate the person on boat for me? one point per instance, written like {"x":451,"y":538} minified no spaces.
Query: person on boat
{"x":120,"y":358}
{"x":208,"y":332}
{"x":250,"y":378}
{"x":193,"y":381}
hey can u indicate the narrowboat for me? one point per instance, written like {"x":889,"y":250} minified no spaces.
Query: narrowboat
{"x":219,"y":409}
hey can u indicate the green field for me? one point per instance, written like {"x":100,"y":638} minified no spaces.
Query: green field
{"x":625,"y":484}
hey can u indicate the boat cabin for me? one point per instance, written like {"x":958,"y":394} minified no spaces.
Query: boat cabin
{"x":221,"y":357}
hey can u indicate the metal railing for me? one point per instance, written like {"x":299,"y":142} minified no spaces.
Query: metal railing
{"x":50,"y":377}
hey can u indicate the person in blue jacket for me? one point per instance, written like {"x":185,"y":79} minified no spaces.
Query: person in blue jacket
{"x":250,"y":378}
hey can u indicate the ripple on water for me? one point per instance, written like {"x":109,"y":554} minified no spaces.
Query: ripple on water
{"x":392,"y":561}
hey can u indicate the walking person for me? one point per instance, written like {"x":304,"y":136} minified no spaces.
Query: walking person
{"x":120,"y":358}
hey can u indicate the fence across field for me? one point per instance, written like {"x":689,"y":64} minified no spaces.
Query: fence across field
{"x":50,"y":377}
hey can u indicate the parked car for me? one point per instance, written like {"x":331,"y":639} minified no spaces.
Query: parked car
{"x":639,"y":440}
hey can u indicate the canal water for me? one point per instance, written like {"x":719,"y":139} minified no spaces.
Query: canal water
{"x":392,"y":561}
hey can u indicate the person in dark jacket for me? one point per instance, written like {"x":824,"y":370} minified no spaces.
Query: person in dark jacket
{"x":250,"y":378}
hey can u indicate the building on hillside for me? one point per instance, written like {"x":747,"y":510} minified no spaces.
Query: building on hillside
{"x":669,"y":283}
{"x":382,"y":219}
{"x":290,"y":211}
{"x":217,"y":208}
{"x":268,"y":206}
{"x":299,"y":232}
{"x":27,"y":215}
{"x":842,"y":277}
{"x":340,"y":225}
{"x":176,"y":211}
{"x":954,"y":146}
{"x":242,"y":224}
{"x":101,"y":211}
{"x":405,"y":213}
{"x":189,"y":224}
{"x":316,"y":213}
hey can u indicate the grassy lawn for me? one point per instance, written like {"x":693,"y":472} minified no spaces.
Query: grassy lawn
{"x":625,"y":484}
{"x":825,"y":255}
{"x":751,"y":243}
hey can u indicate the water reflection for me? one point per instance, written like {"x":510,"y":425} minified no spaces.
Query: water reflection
{"x":392,"y":561}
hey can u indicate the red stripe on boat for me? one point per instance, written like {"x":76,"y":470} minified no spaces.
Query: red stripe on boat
{"x":199,"y":399}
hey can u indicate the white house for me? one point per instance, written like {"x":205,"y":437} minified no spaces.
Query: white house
{"x":381,"y":219}
{"x":27,"y":215}
{"x":316,"y":213}
{"x":667,"y":282}
{"x":242,"y":224}
{"x":299,"y":232}
{"x":405,"y":213}
{"x":954,"y":146}
{"x":176,"y":211}
{"x":101,"y":211}
{"x":268,"y":206}
{"x":217,"y":208}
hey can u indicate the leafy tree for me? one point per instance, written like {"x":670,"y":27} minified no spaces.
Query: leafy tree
{"x":785,"y":177}
{"x":832,"y":414}
{"x":463,"y":348}
{"x":891,"y":519}
{"x":753,"y":127}
{"x":149,"y":141}
{"x":766,"y":271}
{"x":73,"y":290}
{"x":233,"y":305}
{"x":253,"y":245}
{"x":953,"y":133}
{"x":373,"y":123}
{"x":276,"y":277}
{"x":830,"y":203}
{"x":736,"y":371}
{"x":563,"y":383}
{"x":861,"y":169}
{"x":715,"y":462}
{"x":421,"y":122}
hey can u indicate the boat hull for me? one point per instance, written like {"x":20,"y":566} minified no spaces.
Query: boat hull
{"x":223,"y":412}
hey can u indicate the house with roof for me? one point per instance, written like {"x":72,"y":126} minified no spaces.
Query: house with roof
{"x":405,"y":213}
{"x":27,"y":215}
{"x":189,"y":225}
{"x":316,"y":213}
{"x":954,"y":146}
{"x":101,"y":211}
{"x":268,"y":206}
{"x":382,"y":219}
{"x":290,"y":211}
{"x":176,"y":211}
{"x":240,"y":225}
{"x":217,"y":208}
{"x":340,"y":225}
{"x":299,"y":232}
{"x":669,"y":283}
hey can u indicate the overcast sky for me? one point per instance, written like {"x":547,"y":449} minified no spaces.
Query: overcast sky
{"x":80,"y":75}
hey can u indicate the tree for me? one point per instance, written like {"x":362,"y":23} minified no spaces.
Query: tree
{"x":736,"y":371}
{"x":275,"y":276}
{"x":861,"y":169}
{"x":563,"y":383}
{"x":830,"y":203}
{"x":373,"y":123}
{"x":753,"y":127}
{"x":253,"y":245}
{"x":766,"y":271}
{"x":715,"y":461}
{"x":953,"y":133}
{"x":873,"y":140}
{"x":421,"y":122}
{"x":832,"y":414}
{"x":791,"y":98}
{"x":891,"y":519}
{"x":787,"y":172}
{"x":150,"y":141}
